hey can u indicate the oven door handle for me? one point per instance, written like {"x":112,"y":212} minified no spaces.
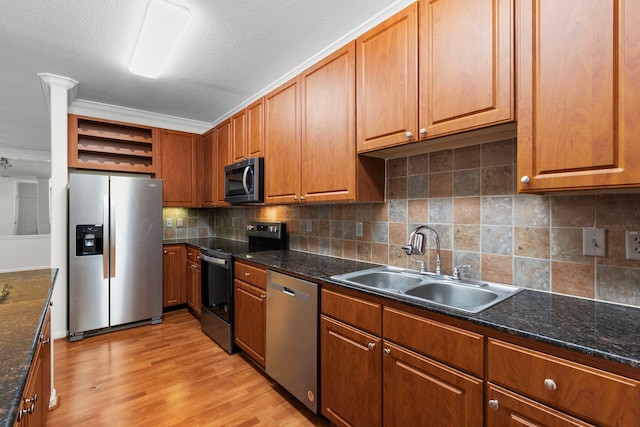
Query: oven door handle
{"x":217,"y":261}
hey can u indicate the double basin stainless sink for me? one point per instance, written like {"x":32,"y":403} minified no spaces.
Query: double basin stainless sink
{"x":461,"y":294}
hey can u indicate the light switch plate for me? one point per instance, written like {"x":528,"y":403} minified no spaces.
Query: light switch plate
{"x":594,"y":242}
{"x":359,"y":229}
{"x":169,"y":223}
{"x":632,"y":239}
{"x":179,"y":222}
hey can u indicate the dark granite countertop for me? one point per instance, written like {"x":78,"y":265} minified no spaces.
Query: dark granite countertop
{"x":604,"y":330}
{"x":235,"y":247}
{"x":22,"y":312}
{"x":599,"y":329}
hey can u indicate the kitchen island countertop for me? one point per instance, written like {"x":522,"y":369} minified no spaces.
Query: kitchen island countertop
{"x":23,"y":304}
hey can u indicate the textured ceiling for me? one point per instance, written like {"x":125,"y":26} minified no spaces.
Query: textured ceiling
{"x":232,"y":51}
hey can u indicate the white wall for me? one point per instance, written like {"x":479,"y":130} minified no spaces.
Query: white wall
{"x":24,"y":252}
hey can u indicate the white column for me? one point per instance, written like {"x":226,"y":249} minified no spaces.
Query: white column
{"x":56,"y":90}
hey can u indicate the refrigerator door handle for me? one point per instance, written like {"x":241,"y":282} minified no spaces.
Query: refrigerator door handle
{"x":105,"y":240}
{"x":112,"y":240}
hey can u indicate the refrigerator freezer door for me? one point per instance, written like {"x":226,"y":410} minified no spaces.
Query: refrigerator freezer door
{"x":136,"y":249}
{"x":88,"y":274}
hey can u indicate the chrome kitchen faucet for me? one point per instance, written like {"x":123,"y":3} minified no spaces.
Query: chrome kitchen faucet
{"x":416,"y":246}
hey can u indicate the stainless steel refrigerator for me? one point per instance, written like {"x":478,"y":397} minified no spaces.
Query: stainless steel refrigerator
{"x":115,"y":253}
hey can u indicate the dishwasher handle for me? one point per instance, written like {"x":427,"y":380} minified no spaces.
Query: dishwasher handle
{"x":290,"y":292}
{"x":223,"y":262}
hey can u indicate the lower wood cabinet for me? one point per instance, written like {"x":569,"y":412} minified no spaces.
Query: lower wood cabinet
{"x":351,"y":381}
{"x":194,"y":279}
{"x":34,"y":403}
{"x":593,"y":395}
{"x":509,"y":409}
{"x":419,"y":391}
{"x":174,"y":290}
{"x":250,"y":310}
{"x":370,"y":380}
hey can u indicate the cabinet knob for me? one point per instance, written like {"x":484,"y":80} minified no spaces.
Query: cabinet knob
{"x":550,"y":384}
{"x":493,"y":404}
{"x":295,"y":197}
{"x":409,"y":135}
{"x":32,"y":399}
{"x":165,"y":252}
{"x":371,"y":345}
{"x":525,"y":179}
{"x":247,"y":274}
{"x":302,"y":197}
{"x":387,"y":351}
{"x":423,"y":131}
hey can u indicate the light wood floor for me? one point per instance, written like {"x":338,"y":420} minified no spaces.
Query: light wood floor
{"x":169,"y":374}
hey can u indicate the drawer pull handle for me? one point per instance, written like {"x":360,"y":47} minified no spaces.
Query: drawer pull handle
{"x":247,"y":274}
{"x":371,"y":345}
{"x":387,"y":351}
{"x":263,"y":296}
{"x":550,"y":384}
{"x":493,"y":404}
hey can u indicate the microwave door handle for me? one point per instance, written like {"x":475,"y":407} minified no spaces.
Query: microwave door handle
{"x":247,"y":169}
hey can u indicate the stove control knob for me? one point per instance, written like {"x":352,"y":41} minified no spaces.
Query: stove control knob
{"x":273,"y":228}
{"x":250,"y":227}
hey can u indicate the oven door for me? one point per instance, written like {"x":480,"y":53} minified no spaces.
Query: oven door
{"x":217,"y":283}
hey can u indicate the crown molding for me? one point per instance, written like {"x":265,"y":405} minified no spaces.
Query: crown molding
{"x":85,"y":107}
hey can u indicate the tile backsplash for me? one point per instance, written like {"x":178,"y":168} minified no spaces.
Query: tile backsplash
{"x":469,"y":196}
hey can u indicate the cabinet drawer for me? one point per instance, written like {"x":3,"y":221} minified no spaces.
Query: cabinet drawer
{"x":353,"y":311}
{"x":589,"y":393}
{"x":250,"y":274}
{"x":193,"y":254}
{"x":453,"y":346}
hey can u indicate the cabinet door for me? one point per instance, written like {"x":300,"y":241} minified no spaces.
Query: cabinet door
{"x":421,"y":392}
{"x":577,"y":68}
{"x":239,"y":136}
{"x":282,"y":144}
{"x":173,"y":276}
{"x":351,"y":382}
{"x":255,"y":129}
{"x":223,"y":156}
{"x":250,"y":320}
{"x":466,"y":72}
{"x":193,"y":287}
{"x":210,"y":169}
{"x":178,"y":166}
{"x":509,"y":409}
{"x":387,"y":82}
{"x":328,"y":128}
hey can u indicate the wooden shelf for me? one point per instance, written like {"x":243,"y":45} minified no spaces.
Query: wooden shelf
{"x":111,"y":146}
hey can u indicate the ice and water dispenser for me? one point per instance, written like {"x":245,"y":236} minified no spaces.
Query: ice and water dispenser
{"x":88,"y":240}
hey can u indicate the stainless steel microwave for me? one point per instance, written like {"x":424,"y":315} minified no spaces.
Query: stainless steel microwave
{"x":244,"y":181}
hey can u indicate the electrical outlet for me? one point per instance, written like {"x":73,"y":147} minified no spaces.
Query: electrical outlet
{"x":179,"y":222}
{"x":309,"y":226}
{"x":359,"y":230}
{"x":632,"y":238}
{"x":594,"y":242}
{"x":169,"y":223}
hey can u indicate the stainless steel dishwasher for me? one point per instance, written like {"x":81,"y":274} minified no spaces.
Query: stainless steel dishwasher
{"x":292,"y":336}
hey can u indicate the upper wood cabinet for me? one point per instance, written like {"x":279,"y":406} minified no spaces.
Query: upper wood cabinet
{"x":387,"y":82}
{"x":178,"y":168}
{"x":466,"y":65}
{"x":436,"y":68}
{"x":210,"y":169}
{"x":282,"y":143}
{"x":108,"y":145}
{"x":328,"y":135}
{"x":255,"y":129}
{"x":578,"y":80}
{"x":248,"y":131}
{"x":224,"y":133}
{"x":239,"y":136}
{"x":296,"y":164}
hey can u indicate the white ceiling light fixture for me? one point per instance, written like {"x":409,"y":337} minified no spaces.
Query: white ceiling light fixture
{"x":163,"y":27}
